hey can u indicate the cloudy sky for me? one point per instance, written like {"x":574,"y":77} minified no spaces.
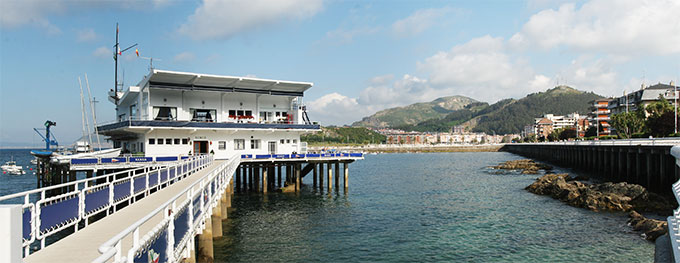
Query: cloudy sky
{"x":363,"y":56}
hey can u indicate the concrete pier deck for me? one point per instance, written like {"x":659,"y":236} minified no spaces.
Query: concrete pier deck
{"x":82,"y":246}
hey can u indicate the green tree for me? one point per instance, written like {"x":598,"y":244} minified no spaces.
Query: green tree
{"x":628,"y":123}
{"x":660,"y":118}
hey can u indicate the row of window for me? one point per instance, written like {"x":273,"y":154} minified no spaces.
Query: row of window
{"x":168,"y":141}
{"x":239,"y":144}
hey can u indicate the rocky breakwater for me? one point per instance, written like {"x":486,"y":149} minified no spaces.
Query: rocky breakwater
{"x":526,"y":165}
{"x":608,"y":196}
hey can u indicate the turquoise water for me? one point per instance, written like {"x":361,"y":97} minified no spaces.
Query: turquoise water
{"x":435,"y":207}
{"x":425,"y":207}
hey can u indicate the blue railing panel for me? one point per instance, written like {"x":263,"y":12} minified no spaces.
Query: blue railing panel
{"x":84,"y":161}
{"x":185,"y":157}
{"x":263,"y":156}
{"x":297,"y":156}
{"x":246,"y":156}
{"x":181,"y":226}
{"x":26,"y":223}
{"x":153,"y":179}
{"x":313,"y":155}
{"x":156,"y":250}
{"x":197,"y":206}
{"x":356,"y":154}
{"x":172,"y":173}
{"x":121,"y":190}
{"x":164,"y":176}
{"x":140,"y":184}
{"x":58,"y":213}
{"x":96,"y":199}
{"x":166,"y":159}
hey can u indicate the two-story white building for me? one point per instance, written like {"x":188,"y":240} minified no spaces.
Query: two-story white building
{"x":181,"y":113}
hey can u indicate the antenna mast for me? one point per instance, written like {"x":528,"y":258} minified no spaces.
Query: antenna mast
{"x":117,"y":52}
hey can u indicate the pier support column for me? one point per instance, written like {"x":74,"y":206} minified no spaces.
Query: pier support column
{"x":314,"y":174}
{"x":265,"y":180}
{"x":337,"y":175}
{"x":216,"y":220}
{"x":330,"y":177}
{"x":278,"y":175}
{"x":298,"y":177}
{"x":238,"y":179}
{"x":205,"y":253}
{"x":346,"y":176}
{"x":649,"y":171}
{"x":321,"y":175}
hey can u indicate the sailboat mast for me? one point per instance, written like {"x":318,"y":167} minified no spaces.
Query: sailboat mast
{"x":94,"y":116}
{"x":87,"y":121}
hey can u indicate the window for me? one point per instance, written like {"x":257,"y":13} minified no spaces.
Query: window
{"x":239,"y":144}
{"x":288,"y":141}
{"x":185,"y":141}
{"x":222,"y":145}
{"x":249,"y":113}
{"x":168,"y":141}
{"x":177,"y":141}
{"x":165,"y":113}
{"x":254,"y":144}
{"x":232,"y":114}
{"x":283,"y":141}
{"x":205,"y":115}
{"x":122,"y":117}
{"x":159,"y":140}
{"x":294,"y":140}
{"x":133,"y":111}
{"x":152,"y":141}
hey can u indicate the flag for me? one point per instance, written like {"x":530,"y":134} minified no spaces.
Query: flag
{"x":137,"y":51}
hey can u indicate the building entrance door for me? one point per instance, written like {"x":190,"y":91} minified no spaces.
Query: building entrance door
{"x":272,"y":147}
{"x":200,"y":147}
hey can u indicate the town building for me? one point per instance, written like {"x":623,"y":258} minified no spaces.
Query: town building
{"x":642,"y":97}
{"x":600,"y":116}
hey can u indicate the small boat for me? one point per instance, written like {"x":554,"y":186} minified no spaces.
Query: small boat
{"x":11,"y":167}
{"x":65,"y":158}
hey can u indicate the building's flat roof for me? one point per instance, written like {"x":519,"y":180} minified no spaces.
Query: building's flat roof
{"x":166,"y":78}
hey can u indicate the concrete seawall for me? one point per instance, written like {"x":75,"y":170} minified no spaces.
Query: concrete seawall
{"x":651,"y":166}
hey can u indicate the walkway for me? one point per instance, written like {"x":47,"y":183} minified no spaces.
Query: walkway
{"x":82,"y":245}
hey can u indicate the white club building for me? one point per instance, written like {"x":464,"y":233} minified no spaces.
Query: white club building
{"x":179,"y":113}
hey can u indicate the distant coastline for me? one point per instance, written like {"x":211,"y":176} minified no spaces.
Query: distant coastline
{"x":408,"y":148}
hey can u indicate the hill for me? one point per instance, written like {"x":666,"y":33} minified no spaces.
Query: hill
{"x":415,"y":113}
{"x":357,"y":135}
{"x":509,"y":115}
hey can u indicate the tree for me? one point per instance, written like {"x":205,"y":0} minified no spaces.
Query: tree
{"x":554,"y":135}
{"x":567,"y":133}
{"x":628,"y":123}
{"x":592,"y":131}
{"x":660,"y":121}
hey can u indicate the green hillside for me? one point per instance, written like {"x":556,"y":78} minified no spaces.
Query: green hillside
{"x":509,"y":115}
{"x":414,"y":113}
{"x":355,"y":135}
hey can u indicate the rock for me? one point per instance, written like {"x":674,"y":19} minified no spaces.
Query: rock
{"x":651,"y":228}
{"x":526,"y":165}
{"x":599,"y":197}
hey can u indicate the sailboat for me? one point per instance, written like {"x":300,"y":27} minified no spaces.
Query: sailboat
{"x":82,"y":148}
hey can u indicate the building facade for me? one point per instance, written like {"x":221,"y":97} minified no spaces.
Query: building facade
{"x":181,"y":113}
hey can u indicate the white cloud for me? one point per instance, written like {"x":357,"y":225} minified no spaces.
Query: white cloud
{"x":17,"y":13}
{"x":86,"y":35}
{"x":336,"y":109}
{"x":419,"y":21}
{"x":623,"y":27}
{"x":184,"y":57}
{"x":103,"y":52}
{"x":215,"y":19}
{"x":481,"y":69}
{"x":591,"y":74}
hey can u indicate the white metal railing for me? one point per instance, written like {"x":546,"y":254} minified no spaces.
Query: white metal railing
{"x":674,"y":220}
{"x":183,"y":218}
{"x":43,"y":216}
{"x":629,"y":142}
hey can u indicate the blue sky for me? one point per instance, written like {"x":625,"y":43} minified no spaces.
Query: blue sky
{"x":363,"y":56}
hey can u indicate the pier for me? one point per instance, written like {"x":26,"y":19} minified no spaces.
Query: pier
{"x":647,"y":162}
{"x":152,"y":208}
